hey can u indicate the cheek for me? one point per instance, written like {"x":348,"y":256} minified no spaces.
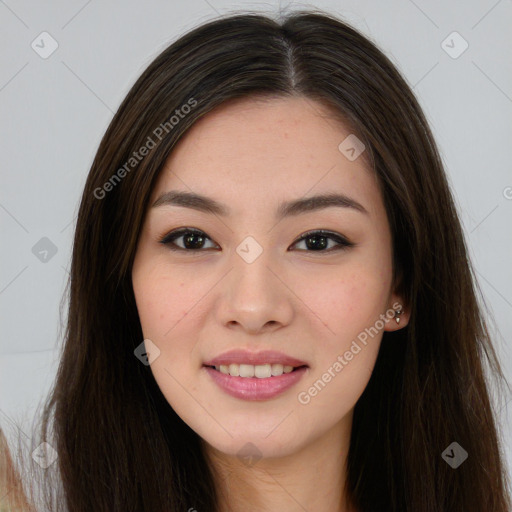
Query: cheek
{"x":350,"y":307}
{"x":165,"y":304}
{"x":162,"y":298}
{"x":347,"y":302}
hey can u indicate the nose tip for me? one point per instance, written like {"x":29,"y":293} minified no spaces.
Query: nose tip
{"x":251,"y":325}
{"x":254,"y":299}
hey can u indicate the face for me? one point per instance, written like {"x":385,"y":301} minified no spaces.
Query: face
{"x":309,"y":284}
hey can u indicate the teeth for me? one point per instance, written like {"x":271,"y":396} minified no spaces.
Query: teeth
{"x":246,"y":370}
{"x":261,"y":371}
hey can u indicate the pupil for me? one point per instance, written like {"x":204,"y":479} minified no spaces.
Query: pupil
{"x":188,"y":241}
{"x":312,"y":244}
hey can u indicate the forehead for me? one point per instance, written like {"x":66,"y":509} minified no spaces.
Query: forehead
{"x":253,"y":150}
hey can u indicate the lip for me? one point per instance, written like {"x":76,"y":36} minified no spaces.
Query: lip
{"x":254,"y":358}
{"x":253,"y":388}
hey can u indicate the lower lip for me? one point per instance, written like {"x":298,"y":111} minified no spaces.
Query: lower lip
{"x":253,"y":388}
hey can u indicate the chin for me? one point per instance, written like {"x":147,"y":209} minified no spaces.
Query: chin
{"x":253,"y":443}
{"x":249,"y":450}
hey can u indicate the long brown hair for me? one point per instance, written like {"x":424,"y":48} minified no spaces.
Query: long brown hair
{"x":120,"y":445}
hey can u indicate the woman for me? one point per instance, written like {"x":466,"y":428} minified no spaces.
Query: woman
{"x":271,"y":303}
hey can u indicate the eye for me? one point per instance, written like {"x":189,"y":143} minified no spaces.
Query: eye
{"x":318,"y":240}
{"x":193,"y":240}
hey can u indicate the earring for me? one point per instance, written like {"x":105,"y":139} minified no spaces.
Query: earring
{"x":397,"y":316}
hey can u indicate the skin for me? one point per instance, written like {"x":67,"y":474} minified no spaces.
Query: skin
{"x":250,"y":155}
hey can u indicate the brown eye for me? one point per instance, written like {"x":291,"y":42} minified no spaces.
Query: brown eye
{"x":193,"y":240}
{"x":317,"y":241}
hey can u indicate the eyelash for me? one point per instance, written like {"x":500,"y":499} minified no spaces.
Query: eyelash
{"x":343,"y":243}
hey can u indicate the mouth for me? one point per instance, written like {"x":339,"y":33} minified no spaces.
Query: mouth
{"x":249,"y":375}
{"x":255,"y":382}
{"x":259,"y":371}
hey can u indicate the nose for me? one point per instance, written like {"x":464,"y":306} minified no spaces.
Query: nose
{"x":254,"y":297}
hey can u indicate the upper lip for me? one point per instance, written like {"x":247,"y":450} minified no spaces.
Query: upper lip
{"x":254,"y":358}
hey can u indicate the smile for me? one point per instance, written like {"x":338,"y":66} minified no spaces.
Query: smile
{"x":260,"y":371}
{"x":263,"y":386}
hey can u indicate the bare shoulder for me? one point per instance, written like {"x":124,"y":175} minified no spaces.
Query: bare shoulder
{"x":12,"y":497}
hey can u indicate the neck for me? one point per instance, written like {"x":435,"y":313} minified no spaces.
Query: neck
{"x":311,"y":478}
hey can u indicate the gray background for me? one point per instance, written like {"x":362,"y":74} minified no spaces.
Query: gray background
{"x":54,"y":110}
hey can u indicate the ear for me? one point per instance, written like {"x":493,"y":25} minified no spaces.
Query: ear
{"x":399,"y":313}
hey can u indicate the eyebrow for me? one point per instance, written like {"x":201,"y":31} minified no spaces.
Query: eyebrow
{"x":285,"y":209}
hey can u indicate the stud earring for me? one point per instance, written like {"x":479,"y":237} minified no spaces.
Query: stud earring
{"x":397,"y":316}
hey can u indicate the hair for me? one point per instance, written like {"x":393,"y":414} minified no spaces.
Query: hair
{"x":120,"y":444}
